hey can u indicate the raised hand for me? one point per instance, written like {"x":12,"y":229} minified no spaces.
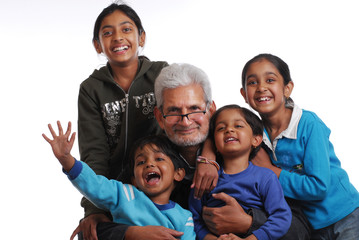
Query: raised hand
{"x":61,"y":145}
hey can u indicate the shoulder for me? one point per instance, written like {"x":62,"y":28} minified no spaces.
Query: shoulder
{"x":151,"y":68}
{"x":102,"y":74}
{"x":183,"y":212}
{"x":310,"y":120}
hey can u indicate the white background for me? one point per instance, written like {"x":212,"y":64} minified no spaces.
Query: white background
{"x":46,"y":52}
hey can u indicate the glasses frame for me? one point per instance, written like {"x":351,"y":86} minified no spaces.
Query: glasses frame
{"x":182,"y":115}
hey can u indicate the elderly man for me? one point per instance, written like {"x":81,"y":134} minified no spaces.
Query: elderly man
{"x":183,"y":111}
{"x":184,"y":107}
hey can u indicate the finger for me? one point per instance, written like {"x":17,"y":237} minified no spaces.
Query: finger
{"x":93,"y":232}
{"x":194,"y":180}
{"x":214,"y":183}
{"x":174,"y":233}
{"x":72,"y":139}
{"x":61,"y":131}
{"x":46,"y":138}
{"x":68,"y":130}
{"x":52,"y":131}
{"x":75,"y":232}
{"x":204,"y":187}
{"x":197,"y":187}
{"x":223,"y":196}
{"x":86,"y":231}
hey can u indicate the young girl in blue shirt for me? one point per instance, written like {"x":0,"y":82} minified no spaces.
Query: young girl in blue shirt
{"x":237,"y":136}
{"x":301,"y":154}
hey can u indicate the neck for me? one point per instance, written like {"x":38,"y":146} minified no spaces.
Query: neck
{"x":277,"y":123}
{"x":235,"y":164}
{"x":190,"y":154}
{"x":162,"y":197}
{"x":124,"y":74}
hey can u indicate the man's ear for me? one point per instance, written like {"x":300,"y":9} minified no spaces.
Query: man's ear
{"x":180,"y":173}
{"x":158,"y":115}
{"x":212,"y":108}
{"x":97,"y":46}
{"x":257,"y":140}
{"x":244,"y":95}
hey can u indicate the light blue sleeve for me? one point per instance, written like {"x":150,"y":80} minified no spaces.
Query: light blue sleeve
{"x":188,"y":232}
{"x":102,"y":192}
{"x":315,"y":180}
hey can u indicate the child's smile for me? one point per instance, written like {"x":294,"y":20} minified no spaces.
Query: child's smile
{"x":154,"y":173}
{"x":230,"y":140}
{"x":152,"y":178}
{"x":120,"y":49}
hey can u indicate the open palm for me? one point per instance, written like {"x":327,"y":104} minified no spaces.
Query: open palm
{"x":61,"y":144}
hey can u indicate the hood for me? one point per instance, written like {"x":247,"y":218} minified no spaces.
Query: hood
{"x":105,"y":73}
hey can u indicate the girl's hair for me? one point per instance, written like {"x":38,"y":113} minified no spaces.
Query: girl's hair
{"x":179,"y":75}
{"x":112,"y":8}
{"x":276,"y":61}
{"x":162,"y":143}
{"x":252,"y":119}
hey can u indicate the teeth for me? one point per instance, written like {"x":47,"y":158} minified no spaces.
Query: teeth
{"x":152,"y":175}
{"x":264,"y":99}
{"x":230,"y":139}
{"x":120,"y":48}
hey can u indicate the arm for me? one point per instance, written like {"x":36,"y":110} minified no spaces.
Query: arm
{"x":61,"y":147}
{"x":312,"y":155}
{"x":279,"y":213}
{"x":151,"y":233}
{"x":314,"y":182}
{"x":206,"y":175}
{"x":262,"y":159}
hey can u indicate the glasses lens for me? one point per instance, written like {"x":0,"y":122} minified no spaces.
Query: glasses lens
{"x":173,"y":118}
{"x":195,"y":116}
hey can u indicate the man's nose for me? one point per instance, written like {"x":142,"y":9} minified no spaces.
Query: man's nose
{"x":185,"y":120}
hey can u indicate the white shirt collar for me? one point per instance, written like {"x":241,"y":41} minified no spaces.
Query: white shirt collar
{"x":290,"y":132}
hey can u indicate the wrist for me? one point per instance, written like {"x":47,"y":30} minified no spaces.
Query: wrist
{"x":131,"y":232}
{"x":201,"y":159}
{"x":68,"y":163}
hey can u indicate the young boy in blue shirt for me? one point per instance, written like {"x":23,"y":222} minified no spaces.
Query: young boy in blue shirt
{"x":156,"y":169}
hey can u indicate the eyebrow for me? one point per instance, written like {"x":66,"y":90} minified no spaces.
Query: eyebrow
{"x":236,"y":120}
{"x":122,"y":23}
{"x":266,"y":73}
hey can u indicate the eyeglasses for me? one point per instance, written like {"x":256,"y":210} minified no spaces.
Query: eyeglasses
{"x":193,"y":116}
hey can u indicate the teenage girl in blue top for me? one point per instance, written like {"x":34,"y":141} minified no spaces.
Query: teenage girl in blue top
{"x":301,"y":154}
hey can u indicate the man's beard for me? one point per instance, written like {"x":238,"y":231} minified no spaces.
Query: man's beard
{"x":187,"y":142}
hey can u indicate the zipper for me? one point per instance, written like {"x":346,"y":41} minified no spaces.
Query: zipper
{"x":126,"y":120}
